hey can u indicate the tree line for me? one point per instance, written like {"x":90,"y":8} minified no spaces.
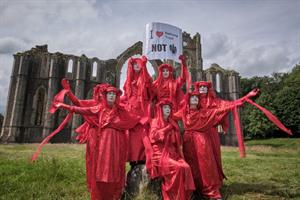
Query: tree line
{"x":280,"y":94}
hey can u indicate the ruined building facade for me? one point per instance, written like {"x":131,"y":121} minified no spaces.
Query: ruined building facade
{"x":36,"y":76}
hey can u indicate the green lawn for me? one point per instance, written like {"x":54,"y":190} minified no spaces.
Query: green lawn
{"x":271,"y":170}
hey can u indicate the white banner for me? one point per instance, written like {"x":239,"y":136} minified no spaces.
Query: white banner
{"x":163,"y":41}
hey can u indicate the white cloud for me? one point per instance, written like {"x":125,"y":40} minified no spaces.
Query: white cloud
{"x":5,"y":71}
{"x":216,"y":44}
{"x":9,"y":45}
{"x":257,"y":60}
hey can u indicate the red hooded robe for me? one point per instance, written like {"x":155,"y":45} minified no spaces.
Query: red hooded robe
{"x":210,"y":100}
{"x":170,"y":88}
{"x":87,"y":131}
{"x":166,"y":157}
{"x":198,"y":146}
{"x":111,"y":146}
{"x":137,"y":101}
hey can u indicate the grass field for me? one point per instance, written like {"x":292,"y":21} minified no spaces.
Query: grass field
{"x":271,"y":170}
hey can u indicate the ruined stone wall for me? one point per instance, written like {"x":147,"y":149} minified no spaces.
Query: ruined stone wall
{"x":36,"y":77}
{"x":37,"y":73}
{"x":193,"y":52}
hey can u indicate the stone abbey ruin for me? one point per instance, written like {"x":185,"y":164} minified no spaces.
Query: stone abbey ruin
{"x":36,"y":76}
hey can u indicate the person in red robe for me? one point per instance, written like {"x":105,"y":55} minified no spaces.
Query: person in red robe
{"x":198,"y":146}
{"x":111,"y":144}
{"x":166,"y":158}
{"x":208,"y":99}
{"x":167,"y":87}
{"x":87,"y":131}
{"x":137,"y":101}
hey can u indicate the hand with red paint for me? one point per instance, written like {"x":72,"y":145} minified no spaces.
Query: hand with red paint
{"x":182,"y":58}
{"x":65,"y":84}
{"x":62,"y":105}
{"x":253,"y":93}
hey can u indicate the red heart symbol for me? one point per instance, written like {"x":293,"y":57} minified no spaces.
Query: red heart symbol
{"x":159,"y":34}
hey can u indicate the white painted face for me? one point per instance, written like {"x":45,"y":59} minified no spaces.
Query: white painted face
{"x":136,"y":67}
{"x":166,"y":110}
{"x":111,"y":97}
{"x":202,"y":89}
{"x":165,"y":73}
{"x":194,"y":100}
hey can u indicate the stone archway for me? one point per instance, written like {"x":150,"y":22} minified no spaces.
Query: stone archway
{"x":135,"y":49}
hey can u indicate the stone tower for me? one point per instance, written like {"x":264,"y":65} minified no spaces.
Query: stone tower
{"x":193,"y":52}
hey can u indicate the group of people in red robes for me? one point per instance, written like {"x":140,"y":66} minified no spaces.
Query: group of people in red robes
{"x":141,"y":127}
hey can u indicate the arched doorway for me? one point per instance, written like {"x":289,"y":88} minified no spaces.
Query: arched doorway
{"x":133,"y":51}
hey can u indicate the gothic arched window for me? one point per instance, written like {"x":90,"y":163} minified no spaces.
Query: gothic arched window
{"x":38,"y":106}
{"x":70,"y":66}
{"x":94,"y":69}
{"x":218,"y":82}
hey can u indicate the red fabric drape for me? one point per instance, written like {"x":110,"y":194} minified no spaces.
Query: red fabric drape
{"x":239,"y":132}
{"x":137,"y":101}
{"x":46,"y":140}
{"x":58,"y":98}
{"x":271,"y":117}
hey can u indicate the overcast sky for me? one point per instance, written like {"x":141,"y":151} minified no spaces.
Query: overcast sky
{"x":251,"y":37}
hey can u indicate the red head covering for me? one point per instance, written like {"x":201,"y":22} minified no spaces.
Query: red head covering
{"x":110,"y":88}
{"x":210,"y":90}
{"x":211,"y":95}
{"x":142,"y":77}
{"x":98,"y":91}
{"x":160,"y":114}
{"x":160,"y":71}
{"x":187,"y":100}
{"x":203,"y":83}
{"x":159,"y":81}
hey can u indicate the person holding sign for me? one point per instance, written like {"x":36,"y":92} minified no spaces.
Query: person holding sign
{"x":167,"y":87}
{"x":162,"y":41}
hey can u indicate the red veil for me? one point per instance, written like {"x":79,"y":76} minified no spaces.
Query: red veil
{"x":142,"y":78}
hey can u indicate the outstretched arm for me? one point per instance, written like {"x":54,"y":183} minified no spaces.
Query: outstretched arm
{"x":251,"y":94}
{"x":76,"y":109}
{"x":66,"y":85}
{"x":184,"y":71}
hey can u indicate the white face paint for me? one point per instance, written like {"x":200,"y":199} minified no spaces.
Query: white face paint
{"x":165,"y":73}
{"x":166,"y":110}
{"x":202,"y":89}
{"x":194,"y":100}
{"x":111,"y":97}
{"x":136,"y":67}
